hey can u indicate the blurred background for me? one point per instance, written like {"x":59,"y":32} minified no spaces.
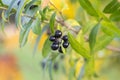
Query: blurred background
{"x":21,"y":64}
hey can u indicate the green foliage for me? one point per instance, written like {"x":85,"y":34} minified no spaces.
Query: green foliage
{"x":78,"y":47}
{"x":46,"y":48}
{"x":92,"y":36}
{"x":88,"y":7}
{"x":112,"y":7}
{"x":52,"y":22}
{"x":24,"y":33}
{"x":36,"y":27}
{"x":47,"y":20}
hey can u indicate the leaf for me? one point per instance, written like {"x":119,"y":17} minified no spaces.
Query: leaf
{"x":19,"y":12}
{"x":52,"y":22}
{"x":24,"y":33}
{"x":115,"y":16}
{"x":92,"y":36}
{"x":36,"y":27}
{"x":46,"y":48}
{"x":38,"y":38}
{"x":44,"y":3}
{"x":88,"y":7}
{"x":78,"y":47}
{"x":112,"y":7}
{"x":10,"y":8}
{"x":103,"y":41}
{"x":110,"y":29}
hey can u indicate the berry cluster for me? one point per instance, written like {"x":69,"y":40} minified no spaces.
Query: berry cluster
{"x":57,"y":41}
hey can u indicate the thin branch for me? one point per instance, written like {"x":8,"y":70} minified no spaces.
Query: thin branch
{"x":62,"y":22}
{"x":113,"y":48}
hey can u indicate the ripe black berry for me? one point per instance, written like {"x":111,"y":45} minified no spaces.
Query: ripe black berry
{"x":52,"y":38}
{"x":58,"y":34}
{"x":18,"y":3}
{"x":33,"y":6}
{"x":65,"y":44}
{"x":54,"y":46}
{"x":65,"y":38}
{"x":60,"y":49}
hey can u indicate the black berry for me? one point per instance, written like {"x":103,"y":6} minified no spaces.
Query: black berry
{"x":65,"y":38}
{"x":60,"y":49}
{"x":58,"y":34}
{"x":33,"y":6}
{"x":18,"y":3}
{"x":54,"y":46}
{"x":65,"y":44}
{"x":52,"y":38}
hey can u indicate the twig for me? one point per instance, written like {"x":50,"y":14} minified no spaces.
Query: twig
{"x":113,"y":48}
{"x":62,"y":22}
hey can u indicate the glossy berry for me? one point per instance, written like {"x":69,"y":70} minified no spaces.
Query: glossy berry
{"x":65,"y":44}
{"x":52,"y":38}
{"x":33,"y":6}
{"x":60,"y":49}
{"x":54,"y":46}
{"x":58,"y":34}
{"x":65,"y":38}
{"x":18,"y":3}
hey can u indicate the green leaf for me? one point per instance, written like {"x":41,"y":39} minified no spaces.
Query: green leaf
{"x":115,"y":16}
{"x":36,"y":27}
{"x":19,"y":12}
{"x":110,"y":29}
{"x":24,"y":33}
{"x":46,"y":48}
{"x":10,"y":8}
{"x":92,"y":36}
{"x":103,"y":41}
{"x":78,"y":47}
{"x":88,"y":7}
{"x":38,"y":38}
{"x":112,"y":7}
{"x":52,"y":22}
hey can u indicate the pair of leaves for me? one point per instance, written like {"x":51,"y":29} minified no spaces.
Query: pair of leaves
{"x":52,"y":22}
{"x":92,"y":36}
{"x":88,"y":7}
{"x":24,"y":33}
{"x":78,"y":47}
{"x":112,"y":7}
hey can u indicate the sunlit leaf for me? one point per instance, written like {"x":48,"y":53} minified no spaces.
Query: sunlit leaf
{"x":103,"y":41}
{"x":112,"y":7}
{"x":110,"y":28}
{"x":88,"y":7}
{"x":115,"y":16}
{"x":78,"y":47}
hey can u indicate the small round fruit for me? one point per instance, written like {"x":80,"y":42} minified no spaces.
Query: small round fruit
{"x":65,"y":44}
{"x":60,"y":49}
{"x":58,"y":33}
{"x":54,"y":46}
{"x":52,"y":38}
{"x":65,"y":38}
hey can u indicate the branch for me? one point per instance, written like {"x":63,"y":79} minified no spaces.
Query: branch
{"x":113,"y":48}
